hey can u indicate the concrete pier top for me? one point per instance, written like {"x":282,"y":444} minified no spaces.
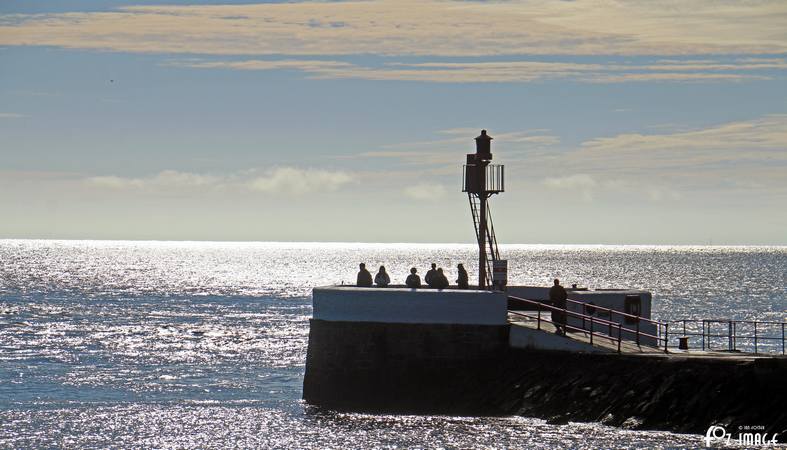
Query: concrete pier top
{"x":402,"y":305}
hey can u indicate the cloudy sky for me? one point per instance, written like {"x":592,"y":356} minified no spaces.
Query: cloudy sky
{"x":640,"y":121}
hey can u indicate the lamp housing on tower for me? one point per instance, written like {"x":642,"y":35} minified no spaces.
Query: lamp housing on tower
{"x":483,"y":147}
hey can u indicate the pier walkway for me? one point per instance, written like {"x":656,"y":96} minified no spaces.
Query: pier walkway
{"x":629,"y":347}
{"x":535,"y":323}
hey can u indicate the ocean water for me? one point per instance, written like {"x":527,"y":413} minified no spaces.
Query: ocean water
{"x":202,"y":345}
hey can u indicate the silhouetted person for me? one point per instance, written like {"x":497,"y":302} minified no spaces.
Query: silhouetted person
{"x":382,"y":279}
{"x":558,"y":296}
{"x":413,"y":280}
{"x":364,"y":277}
{"x":463,"y":279}
{"x":429,"y":278}
{"x":440,"y":280}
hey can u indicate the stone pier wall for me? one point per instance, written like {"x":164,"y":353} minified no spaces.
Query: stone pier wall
{"x":470,"y":370}
{"x":403,"y":368}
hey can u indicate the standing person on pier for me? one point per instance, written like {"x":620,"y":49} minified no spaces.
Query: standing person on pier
{"x":463,"y":280}
{"x":431,"y":276}
{"x":364,"y":277}
{"x":558,"y":296}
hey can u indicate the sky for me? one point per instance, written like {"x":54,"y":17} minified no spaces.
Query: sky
{"x":618,"y":122}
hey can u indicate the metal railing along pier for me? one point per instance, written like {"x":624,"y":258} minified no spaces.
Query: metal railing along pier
{"x":592,"y":321}
{"x":758,"y":336}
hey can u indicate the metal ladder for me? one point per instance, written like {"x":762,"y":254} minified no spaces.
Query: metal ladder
{"x":492,"y":253}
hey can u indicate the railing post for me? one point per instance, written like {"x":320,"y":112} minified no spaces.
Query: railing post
{"x":734,"y":335}
{"x":703,"y":335}
{"x":666,"y":337}
{"x":729,"y":335}
{"x":539,"y":318}
{"x":591,"y":330}
{"x":684,"y":327}
{"x":620,"y":336}
{"x":755,"y":336}
{"x":637,"y":330}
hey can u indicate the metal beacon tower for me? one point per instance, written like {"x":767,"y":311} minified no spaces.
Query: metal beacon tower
{"x":481,"y":180}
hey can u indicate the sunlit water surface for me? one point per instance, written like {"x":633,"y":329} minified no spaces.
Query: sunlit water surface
{"x":172,"y":344}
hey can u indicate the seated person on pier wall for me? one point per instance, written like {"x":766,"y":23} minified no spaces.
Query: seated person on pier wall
{"x":413,"y":280}
{"x":364,"y":277}
{"x":430,"y":276}
{"x":462,"y":280}
{"x":382,"y":279}
{"x":439,"y":281}
{"x":558,"y":296}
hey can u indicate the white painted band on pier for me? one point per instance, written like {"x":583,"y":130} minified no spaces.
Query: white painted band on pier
{"x":402,"y":305}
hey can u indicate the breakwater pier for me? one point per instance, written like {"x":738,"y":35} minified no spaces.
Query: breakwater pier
{"x":467,"y":352}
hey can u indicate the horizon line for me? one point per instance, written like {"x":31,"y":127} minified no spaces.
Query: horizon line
{"x":473,"y":244}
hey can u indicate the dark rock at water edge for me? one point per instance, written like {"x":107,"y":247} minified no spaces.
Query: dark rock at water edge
{"x":684,"y":395}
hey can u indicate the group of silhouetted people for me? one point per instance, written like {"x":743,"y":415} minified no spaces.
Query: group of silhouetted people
{"x":434,"y":278}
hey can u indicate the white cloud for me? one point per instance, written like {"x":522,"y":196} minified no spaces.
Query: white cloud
{"x":284,"y":180}
{"x":676,"y":77}
{"x":167,"y":179}
{"x":579,"y":180}
{"x":535,"y":138}
{"x":440,"y":28}
{"x":466,"y":135}
{"x":660,"y":194}
{"x":115,"y":182}
{"x":409,"y":27}
{"x":12,"y":115}
{"x":426,"y":192}
{"x":514,"y":71}
{"x":722,"y":156}
{"x":299,"y":181}
{"x":311,"y":66}
{"x":446,"y":151}
{"x":581,"y":183}
{"x":765,"y":137}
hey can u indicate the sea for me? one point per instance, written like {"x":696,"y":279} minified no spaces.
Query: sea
{"x":126,"y":344}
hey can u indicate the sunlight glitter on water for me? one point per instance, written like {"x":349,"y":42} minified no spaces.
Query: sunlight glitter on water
{"x":248,"y":426}
{"x":171,"y":344}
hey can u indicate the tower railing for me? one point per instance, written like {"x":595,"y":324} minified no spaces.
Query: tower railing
{"x":494,"y":179}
